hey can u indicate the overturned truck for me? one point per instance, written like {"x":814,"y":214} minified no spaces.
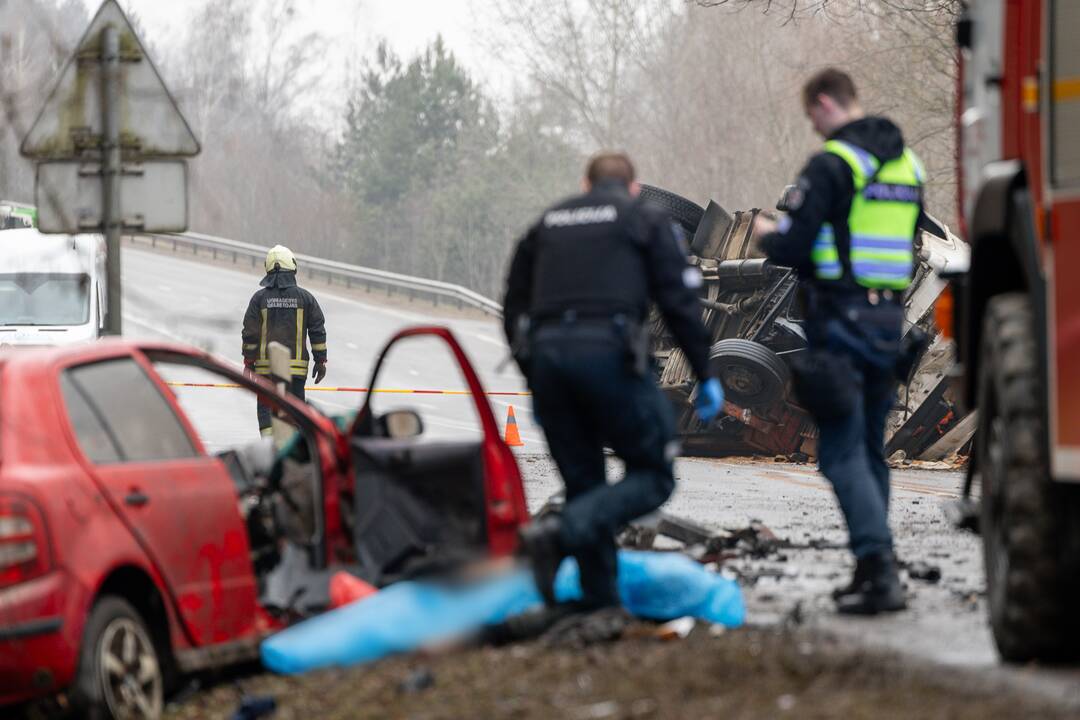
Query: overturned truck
{"x":751,"y":309}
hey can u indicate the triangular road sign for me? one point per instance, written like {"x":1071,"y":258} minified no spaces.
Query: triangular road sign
{"x":70,"y":123}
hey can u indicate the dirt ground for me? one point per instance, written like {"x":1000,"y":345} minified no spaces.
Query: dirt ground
{"x":749,"y":673}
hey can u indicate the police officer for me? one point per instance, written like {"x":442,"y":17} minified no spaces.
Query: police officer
{"x":576,"y":302}
{"x":284,"y":312}
{"x":850,"y":232}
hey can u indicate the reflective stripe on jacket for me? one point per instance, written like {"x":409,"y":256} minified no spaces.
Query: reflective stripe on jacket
{"x":884,"y":214}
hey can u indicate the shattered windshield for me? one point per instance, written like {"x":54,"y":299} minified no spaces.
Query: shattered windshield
{"x":44,"y":299}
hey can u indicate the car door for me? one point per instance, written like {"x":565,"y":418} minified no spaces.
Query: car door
{"x":422,"y":500}
{"x":178,"y":503}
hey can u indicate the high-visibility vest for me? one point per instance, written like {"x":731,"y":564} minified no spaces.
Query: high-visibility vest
{"x":881,"y":224}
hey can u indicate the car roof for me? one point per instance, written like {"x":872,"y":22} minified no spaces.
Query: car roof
{"x":89,"y":352}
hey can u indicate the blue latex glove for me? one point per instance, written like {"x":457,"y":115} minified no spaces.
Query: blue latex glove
{"x":709,"y":400}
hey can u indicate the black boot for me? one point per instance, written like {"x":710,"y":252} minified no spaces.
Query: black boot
{"x":539,"y":542}
{"x":880,"y":592}
{"x":861,"y":574}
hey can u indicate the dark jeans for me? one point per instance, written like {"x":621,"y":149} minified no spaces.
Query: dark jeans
{"x":851,"y":449}
{"x":296,"y":387}
{"x":586,"y":396}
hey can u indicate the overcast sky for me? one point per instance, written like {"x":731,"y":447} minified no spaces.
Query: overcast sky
{"x":355,"y":27}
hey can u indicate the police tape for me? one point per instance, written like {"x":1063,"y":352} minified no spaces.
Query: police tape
{"x":392,"y":391}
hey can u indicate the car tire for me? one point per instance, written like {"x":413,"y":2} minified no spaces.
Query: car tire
{"x":120,"y":670}
{"x":686,"y":213}
{"x":753,"y":376}
{"x":1030,"y":576}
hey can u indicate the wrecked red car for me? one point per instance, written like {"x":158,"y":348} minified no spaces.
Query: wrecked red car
{"x":135,"y":546}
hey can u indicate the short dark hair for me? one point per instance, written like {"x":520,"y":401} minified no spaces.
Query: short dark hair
{"x":610,"y":166}
{"x":835,"y":83}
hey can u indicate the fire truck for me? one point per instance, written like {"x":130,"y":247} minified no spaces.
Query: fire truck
{"x":1016,"y":313}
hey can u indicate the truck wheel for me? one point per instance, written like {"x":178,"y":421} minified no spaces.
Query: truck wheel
{"x":686,"y":213}
{"x":119,"y":675}
{"x":753,"y":376}
{"x":1023,"y":524}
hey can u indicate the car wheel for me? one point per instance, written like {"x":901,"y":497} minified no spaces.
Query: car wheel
{"x":1030,"y":576}
{"x":686,"y":213}
{"x":753,"y":376}
{"x":119,"y":675}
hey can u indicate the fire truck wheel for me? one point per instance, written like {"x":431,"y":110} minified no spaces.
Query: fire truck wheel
{"x":120,"y":672}
{"x":1031,"y":579}
{"x":753,"y":376}
{"x":686,"y":213}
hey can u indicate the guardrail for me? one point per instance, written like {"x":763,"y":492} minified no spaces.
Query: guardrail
{"x":334,"y":272}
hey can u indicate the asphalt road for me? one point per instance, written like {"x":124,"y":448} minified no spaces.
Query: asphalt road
{"x":171,"y":297}
{"x":946,"y":624}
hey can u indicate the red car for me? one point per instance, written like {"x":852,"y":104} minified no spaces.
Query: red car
{"x":129,"y":554}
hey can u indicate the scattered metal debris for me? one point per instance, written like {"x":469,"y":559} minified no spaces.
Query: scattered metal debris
{"x":919,"y":570}
{"x":254,"y":707}
{"x":418,"y":680}
{"x":752,"y":311}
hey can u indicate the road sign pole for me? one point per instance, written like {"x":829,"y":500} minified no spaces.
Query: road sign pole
{"x":110,"y":170}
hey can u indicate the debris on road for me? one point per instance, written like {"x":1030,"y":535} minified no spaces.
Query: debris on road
{"x":418,"y":680}
{"x":253,"y":708}
{"x":924,"y":571}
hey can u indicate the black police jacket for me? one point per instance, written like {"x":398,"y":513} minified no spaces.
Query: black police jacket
{"x":284,"y":312}
{"x":602,"y":254}
{"x":825,"y":189}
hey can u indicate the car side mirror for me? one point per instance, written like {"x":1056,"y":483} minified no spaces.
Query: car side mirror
{"x":399,"y":424}
{"x":784,"y":203}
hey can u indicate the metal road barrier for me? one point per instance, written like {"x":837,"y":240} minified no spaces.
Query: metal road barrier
{"x":414,"y":288}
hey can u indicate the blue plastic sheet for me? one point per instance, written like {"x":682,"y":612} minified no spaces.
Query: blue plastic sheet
{"x":409,"y":615}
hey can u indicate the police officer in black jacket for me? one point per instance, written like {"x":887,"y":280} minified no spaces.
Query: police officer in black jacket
{"x":850,"y":233}
{"x":284,"y":312}
{"x":576,"y":303}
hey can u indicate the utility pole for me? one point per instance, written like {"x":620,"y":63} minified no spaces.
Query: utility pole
{"x":110,"y":177}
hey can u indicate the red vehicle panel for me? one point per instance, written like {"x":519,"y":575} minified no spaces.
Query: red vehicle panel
{"x":117,"y":527}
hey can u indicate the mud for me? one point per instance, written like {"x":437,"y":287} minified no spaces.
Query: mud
{"x":743,"y":674}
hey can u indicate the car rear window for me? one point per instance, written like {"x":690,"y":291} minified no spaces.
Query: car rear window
{"x":119,"y":415}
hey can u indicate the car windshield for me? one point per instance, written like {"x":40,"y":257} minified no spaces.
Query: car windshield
{"x":44,"y":299}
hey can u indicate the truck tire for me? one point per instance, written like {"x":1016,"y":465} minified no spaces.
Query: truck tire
{"x":686,"y":213}
{"x":120,"y":670}
{"x":1030,"y":578}
{"x":753,"y":376}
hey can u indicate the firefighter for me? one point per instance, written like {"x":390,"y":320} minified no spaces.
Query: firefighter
{"x":283,"y":311}
{"x":575,"y":309}
{"x":850,"y":233}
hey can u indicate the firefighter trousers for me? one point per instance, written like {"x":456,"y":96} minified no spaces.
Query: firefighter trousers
{"x":296,"y":387}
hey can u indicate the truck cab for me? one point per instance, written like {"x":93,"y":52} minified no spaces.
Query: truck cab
{"x":52,"y":287}
{"x":1016,"y":314}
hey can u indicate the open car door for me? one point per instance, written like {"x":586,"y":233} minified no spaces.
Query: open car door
{"x":426,"y":503}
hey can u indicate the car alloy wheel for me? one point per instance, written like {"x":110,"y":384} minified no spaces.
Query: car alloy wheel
{"x":130,"y":673}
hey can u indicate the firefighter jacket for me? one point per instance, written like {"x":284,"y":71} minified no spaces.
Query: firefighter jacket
{"x":282,"y":311}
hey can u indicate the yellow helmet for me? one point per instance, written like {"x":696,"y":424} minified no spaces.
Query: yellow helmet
{"x":280,"y":258}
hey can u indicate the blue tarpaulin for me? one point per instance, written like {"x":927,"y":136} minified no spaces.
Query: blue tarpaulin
{"x":409,"y":615}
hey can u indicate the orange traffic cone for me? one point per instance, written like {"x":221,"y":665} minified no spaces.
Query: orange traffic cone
{"x":513,"y":438}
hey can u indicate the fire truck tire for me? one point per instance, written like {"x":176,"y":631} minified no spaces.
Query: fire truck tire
{"x":753,"y":376}
{"x":1031,"y":578}
{"x":120,"y":670}
{"x":686,"y":213}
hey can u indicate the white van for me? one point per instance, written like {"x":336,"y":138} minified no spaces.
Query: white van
{"x":52,"y":287}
